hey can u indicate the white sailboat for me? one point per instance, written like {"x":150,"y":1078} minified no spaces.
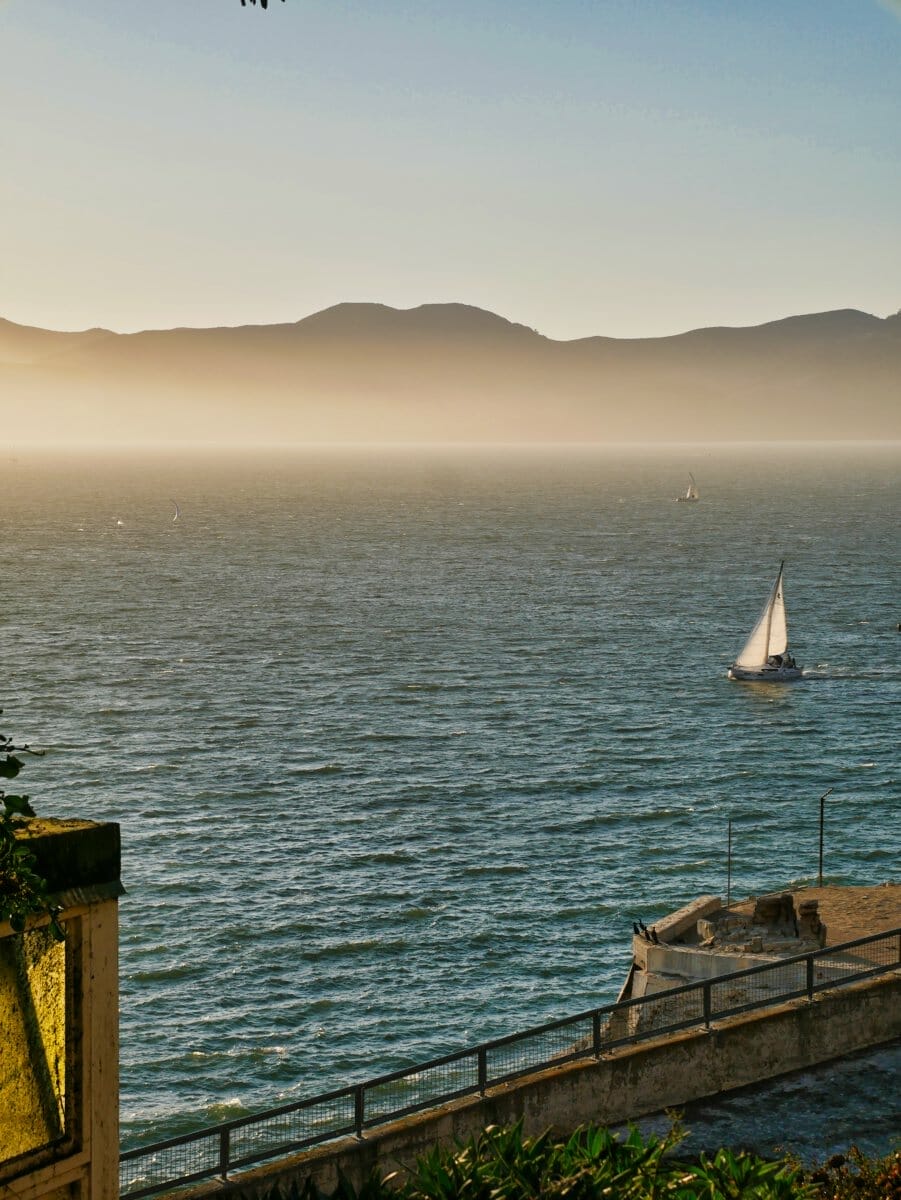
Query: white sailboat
{"x":765,"y":655}
{"x":691,"y":492}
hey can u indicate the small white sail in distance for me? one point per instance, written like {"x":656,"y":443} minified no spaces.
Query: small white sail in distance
{"x":770,"y":634}
{"x":691,"y":492}
{"x":177,"y":512}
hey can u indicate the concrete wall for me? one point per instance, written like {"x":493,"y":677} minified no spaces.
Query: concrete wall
{"x":668,"y":959}
{"x":33,"y":1037}
{"x":630,"y":1083}
{"x":59,"y":1014}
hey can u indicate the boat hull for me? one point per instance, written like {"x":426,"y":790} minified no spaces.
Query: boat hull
{"x":765,"y":674}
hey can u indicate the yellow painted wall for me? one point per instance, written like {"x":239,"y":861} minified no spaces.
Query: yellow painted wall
{"x":59,"y":1102}
{"x":32,"y":1041}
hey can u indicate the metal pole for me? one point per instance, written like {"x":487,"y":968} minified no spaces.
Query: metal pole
{"x":729,"y":867}
{"x":822,"y":825}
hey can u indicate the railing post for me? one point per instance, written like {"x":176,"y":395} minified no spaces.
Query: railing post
{"x":708,"y":1002}
{"x":359,"y":1109}
{"x":810,"y":978}
{"x":483,"y":1069}
{"x":596,"y":1033}
{"x":223,"y":1153}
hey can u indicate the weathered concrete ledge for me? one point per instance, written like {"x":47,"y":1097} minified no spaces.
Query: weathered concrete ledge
{"x":627,"y":1084}
{"x":705,"y":940}
{"x":80,"y":860}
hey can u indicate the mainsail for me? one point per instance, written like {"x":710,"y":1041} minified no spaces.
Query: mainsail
{"x":691,"y":492}
{"x":770,"y":634}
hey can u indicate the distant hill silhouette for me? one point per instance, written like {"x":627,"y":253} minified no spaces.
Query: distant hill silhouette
{"x":451,"y":372}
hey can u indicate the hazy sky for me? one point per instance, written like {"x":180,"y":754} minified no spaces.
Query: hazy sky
{"x":623,"y":167}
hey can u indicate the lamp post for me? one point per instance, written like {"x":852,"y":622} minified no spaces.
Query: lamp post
{"x":822,"y":824}
{"x":729,"y":865}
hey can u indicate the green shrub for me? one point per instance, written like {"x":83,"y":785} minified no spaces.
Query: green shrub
{"x":593,"y":1164}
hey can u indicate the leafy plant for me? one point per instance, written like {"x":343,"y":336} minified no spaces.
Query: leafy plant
{"x":23,"y":891}
{"x":734,"y":1176}
{"x":593,"y":1164}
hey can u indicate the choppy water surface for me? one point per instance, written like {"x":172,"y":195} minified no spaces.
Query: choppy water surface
{"x":401,"y":744}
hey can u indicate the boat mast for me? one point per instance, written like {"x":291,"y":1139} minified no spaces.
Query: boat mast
{"x":771,"y":606}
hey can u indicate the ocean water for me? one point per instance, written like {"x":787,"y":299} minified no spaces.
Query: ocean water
{"x":402,"y":742}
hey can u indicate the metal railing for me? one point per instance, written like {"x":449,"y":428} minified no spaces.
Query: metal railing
{"x":222,"y":1149}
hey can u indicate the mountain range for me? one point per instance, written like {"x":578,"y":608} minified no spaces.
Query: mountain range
{"x":452,"y":373}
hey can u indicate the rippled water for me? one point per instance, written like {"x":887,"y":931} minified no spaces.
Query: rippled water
{"x":401,"y":744}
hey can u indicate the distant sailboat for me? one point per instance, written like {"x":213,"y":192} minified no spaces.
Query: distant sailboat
{"x":765,"y":655}
{"x":177,"y":512}
{"x":691,"y":492}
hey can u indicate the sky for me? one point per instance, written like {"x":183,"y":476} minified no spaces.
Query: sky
{"x":631,"y":168}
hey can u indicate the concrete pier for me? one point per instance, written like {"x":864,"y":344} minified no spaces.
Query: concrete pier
{"x":705,"y":939}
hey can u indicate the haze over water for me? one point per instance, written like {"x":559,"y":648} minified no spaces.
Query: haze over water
{"x":402,"y":742}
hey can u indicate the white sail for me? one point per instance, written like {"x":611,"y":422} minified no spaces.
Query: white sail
{"x":691,"y":492}
{"x":770,"y":633}
{"x":778,"y":624}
